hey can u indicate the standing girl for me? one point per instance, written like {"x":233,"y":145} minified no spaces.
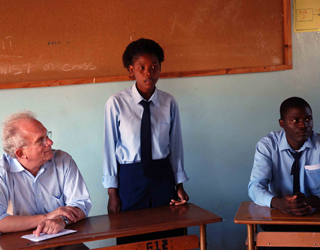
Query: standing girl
{"x":143,"y":152}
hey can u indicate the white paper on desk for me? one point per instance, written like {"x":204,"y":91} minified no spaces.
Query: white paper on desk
{"x":44,"y":236}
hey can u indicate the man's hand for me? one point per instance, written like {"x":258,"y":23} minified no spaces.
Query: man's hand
{"x":72,"y":213}
{"x":17,"y":223}
{"x":114,"y":203}
{"x":50,"y":226}
{"x":182,"y":196}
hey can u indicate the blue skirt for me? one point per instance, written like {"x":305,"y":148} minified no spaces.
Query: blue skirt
{"x":152,"y":187}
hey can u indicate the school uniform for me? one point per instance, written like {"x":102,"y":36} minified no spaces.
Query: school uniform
{"x":122,"y":157}
{"x":143,"y":187}
{"x":271,"y":173}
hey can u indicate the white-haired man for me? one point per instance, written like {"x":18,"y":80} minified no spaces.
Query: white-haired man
{"x":40,"y":187}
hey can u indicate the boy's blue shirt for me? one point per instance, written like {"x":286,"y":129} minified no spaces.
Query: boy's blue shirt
{"x":271,"y":173}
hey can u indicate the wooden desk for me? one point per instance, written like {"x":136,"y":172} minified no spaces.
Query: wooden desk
{"x":121,"y":224}
{"x":252,"y":215}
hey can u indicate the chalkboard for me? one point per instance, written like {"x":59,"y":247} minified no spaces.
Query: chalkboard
{"x":61,"y":42}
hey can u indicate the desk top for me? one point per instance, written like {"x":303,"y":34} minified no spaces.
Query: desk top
{"x":250,"y":213}
{"x":118,"y":225}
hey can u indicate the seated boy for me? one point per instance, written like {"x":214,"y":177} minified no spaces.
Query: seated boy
{"x":286,"y":168}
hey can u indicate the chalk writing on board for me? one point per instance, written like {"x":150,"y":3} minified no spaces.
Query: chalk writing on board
{"x":230,"y":11}
{"x":6,"y":43}
{"x":12,"y":68}
{"x":261,"y":40}
{"x":174,"y":23}
{"x":17,"y":69}
{"x":200,"y":15}
{"x":7,"y":56}
{"x":84,"y":66}
{"x":48,"y":67}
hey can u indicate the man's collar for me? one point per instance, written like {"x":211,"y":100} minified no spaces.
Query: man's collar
{"x":284,"y":145}
{"x":138,"y":98}
{"x":15,"y":165}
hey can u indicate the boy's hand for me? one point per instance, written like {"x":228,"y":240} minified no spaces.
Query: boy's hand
{"x":298,"y":204}
{"x":295,"y":204}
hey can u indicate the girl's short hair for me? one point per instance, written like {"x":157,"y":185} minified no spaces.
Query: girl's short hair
{"x":141,"y":47}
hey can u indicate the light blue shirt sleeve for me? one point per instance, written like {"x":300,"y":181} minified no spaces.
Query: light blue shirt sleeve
{"x":261,"y":175}
{"x":110,"y":139}
{"x":176,"y":145}
{"x":4,"y":197}
{"x":75,"y":191}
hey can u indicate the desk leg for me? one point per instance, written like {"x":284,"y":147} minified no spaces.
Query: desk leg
{"x":250,"y":237}
{"x":203,"y":237}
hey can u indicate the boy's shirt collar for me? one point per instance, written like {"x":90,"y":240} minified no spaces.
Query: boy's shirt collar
{"x":284,"y":145}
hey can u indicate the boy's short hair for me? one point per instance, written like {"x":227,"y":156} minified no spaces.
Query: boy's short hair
{"x":292,"y":102}
{"x":141,"y":47}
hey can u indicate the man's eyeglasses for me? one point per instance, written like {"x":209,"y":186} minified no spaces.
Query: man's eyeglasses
{"x":43,"y":141}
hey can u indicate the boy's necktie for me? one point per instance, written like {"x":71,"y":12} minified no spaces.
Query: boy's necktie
{"x":145,"y":133}
{"x":295,"y":171}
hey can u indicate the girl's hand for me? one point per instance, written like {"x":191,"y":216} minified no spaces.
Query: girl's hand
{"x":182,"y":196}
{"x":114,"y":203}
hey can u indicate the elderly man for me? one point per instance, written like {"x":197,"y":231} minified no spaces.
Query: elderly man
{"x":40,"y":187}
